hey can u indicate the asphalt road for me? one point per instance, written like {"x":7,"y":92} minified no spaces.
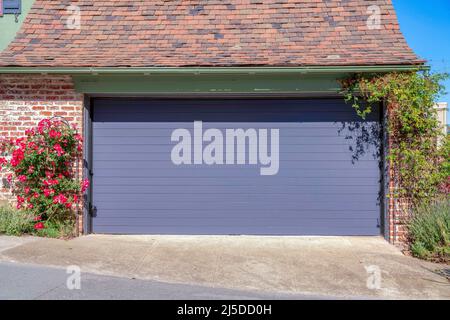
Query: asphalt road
{"x":29,"y":282}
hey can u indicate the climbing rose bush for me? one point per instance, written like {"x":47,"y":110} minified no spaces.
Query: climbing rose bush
{"x":41,"y":171}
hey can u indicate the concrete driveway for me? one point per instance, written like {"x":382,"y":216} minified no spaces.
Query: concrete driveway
{"x":346,"y":267}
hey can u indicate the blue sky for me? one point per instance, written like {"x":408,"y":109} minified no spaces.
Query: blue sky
{"x":426,"y":26}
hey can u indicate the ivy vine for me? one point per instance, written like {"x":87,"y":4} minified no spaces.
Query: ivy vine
{"x":420,"y":165}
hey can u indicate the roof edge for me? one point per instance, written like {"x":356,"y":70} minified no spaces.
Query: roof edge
{"x":212,"y":70}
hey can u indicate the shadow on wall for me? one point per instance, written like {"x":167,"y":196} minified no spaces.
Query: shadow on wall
{"x":365,"y":141}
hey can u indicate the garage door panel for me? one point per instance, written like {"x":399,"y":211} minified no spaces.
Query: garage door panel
{"x":236,"y":230}
{"x":160,"y":151}
{"x":288,"y":131}
{"x":244,"y":181}
{"x":234,"y":117}
{"x":216,"y":106}
{"x":301,"y":124}
{"x":140,"y":158}
{"x":226,"y":174}
{"x":247,"y":221}
{"x":327,"y":183}
{"x":285,"y":142}
{"x":337,"y":200}
{"x":235,"y":206}
{"x":217,"y":170}
{"x":256,"y":110}
{"x":311,"y":228}
{"x":230,"y":221}
{"x":142,"y":208}
{"x":241,"y":189}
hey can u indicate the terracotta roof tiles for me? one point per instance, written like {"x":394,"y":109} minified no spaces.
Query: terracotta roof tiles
{"x":119,"y":33}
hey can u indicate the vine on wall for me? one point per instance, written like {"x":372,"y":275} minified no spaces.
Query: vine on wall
{"x":420,"y":165}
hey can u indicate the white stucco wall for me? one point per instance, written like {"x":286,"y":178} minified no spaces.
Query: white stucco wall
{"x":441,"y":108}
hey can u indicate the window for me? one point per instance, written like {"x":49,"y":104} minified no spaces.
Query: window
{"x":11,"y":6}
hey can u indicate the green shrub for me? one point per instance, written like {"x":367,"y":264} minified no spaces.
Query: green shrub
{"x":15,"y":222}
{"x":42,"y":173}
{"x":430,"y":231}
{"x":57,"y":229}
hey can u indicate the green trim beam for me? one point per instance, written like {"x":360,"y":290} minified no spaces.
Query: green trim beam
{"x":191,"y":80}
{"x":206,"y":83}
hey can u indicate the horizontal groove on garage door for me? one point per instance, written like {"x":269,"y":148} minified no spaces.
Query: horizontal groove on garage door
{"x":328,"y":181}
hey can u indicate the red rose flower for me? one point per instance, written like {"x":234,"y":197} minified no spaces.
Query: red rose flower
{"x":59,"y":199}
{"x":54,"y":134}
{"x":43,"y":124}
{"x":84,"y":185}
{"x":48,"y":192}
{"x":59,"y":150}
{"x":2,"y":162}
{"x":17,"y":157}
{"x":39,"y":226}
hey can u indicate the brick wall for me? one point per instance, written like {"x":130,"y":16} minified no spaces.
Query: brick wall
{"x":397,"y":208}
{"x":26,"y":99}
{"x":397,"y":217}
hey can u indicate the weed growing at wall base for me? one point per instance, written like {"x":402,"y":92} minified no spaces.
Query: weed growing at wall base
{"x":430,"y":231}
{"x":15,"y":222}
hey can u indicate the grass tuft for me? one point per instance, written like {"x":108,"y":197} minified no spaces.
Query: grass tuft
{"x":430,"y":231}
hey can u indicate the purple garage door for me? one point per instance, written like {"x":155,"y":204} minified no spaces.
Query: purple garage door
{"x":247,"y":166}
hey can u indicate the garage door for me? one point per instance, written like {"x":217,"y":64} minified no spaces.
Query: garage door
{"x":249,"y":166}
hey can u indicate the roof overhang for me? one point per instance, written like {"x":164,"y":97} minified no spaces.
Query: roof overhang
{"x":213,"y":70}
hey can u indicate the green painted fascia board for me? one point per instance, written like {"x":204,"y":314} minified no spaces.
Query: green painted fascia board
{"x":303,"y":80}
{"x":207,"y":83}
{"x":214,"y":70}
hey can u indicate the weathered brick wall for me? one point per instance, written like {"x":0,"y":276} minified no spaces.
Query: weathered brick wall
{"x":398,"y":209}
{"x":397,"y":215}
{"x":27,"y":99}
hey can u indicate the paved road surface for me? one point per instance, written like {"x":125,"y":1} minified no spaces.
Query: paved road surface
{"x":19,"y":281}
